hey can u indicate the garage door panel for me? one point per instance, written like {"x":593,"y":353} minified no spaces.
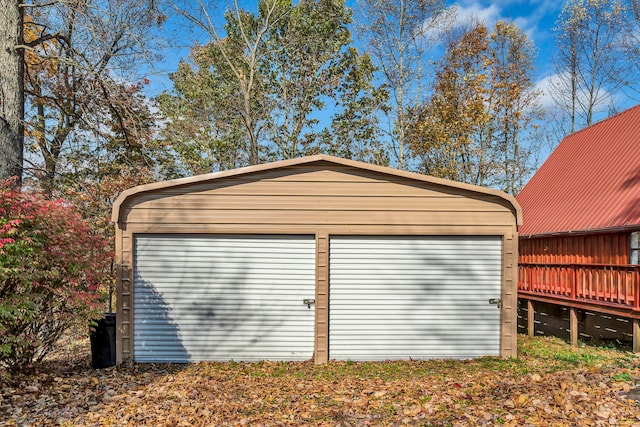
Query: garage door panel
{"x":215,"y":298}
{"x":401,"y":294}
{"x":414,"y":297}
{"x":225,"y":298}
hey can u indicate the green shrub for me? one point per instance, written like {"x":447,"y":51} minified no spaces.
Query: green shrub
{"x":51,"y":270}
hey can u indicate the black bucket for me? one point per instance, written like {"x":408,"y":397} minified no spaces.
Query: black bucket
{"x":103,"y":342}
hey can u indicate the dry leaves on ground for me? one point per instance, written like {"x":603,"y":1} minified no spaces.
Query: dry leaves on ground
{"x":580,"y":387}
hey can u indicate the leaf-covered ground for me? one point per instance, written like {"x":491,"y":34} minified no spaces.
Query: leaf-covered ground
{"x":551,"y":384}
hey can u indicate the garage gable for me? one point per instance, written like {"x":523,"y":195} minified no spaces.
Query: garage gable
{"x":318,"y":183}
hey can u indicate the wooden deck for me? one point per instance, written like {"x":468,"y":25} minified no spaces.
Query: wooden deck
{"x":607,"y":288}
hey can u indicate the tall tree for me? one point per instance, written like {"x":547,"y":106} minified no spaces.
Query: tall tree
{"x":446,"y":130}
{"x":479,"y":123}
{"x":590,"y":62}
{"x":263,"y":85}
{"x":399,"y":34}
{"x":234,"y":55}
{"x":514,"y":105}
{"x":304,"y":66}
{"x":354,"y":132}
{"x":631,"y":46}
{"x":11,"y":90}
{"x":201,"y":134}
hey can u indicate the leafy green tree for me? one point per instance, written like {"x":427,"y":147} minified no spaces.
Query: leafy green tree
{"x":355,"y":133}
{"x":199,"y":136}
{"x":229,"y":68}
{"x":260,"y":89}
{"x":304,"y":67}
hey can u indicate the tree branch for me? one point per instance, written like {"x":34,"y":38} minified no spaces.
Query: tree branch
{"x":43,"y":39}
{"x":32,"y":5}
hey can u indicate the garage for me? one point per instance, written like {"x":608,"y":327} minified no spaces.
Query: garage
{"x":315,"y":258}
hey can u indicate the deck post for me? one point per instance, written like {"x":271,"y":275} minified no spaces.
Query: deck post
{"x":636,"y":335}
{"x":573,"y":326}
{"x":531,"y":318}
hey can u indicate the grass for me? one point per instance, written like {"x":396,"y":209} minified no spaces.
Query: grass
{"x":540,"y":355}
{"x":556,"y":354}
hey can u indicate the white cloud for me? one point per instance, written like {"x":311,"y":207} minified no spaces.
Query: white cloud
{"x":486,"y":14}
{"x":601,"y":107}
{"x":535,"y":18}
{"x":544,"y":87}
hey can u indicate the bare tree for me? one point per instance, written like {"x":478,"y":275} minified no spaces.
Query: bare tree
{"x":399,"y":34}
{"x":631,"y":46}
{"x":82,"y":57}
{"x":590,"y":64}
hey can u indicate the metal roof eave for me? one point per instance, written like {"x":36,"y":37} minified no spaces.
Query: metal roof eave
{"x":629,"y":228}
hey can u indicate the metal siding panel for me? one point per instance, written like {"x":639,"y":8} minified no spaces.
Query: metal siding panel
{"x":207,"y":297}
{"x":333,"y":217}
{"x":311,"y":202}
{"x":414,"y":297}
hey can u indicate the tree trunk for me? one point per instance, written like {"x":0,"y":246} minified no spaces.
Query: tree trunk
{"x":11,"y":90}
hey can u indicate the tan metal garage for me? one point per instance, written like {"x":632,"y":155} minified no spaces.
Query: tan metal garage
{"x":317,"y":257}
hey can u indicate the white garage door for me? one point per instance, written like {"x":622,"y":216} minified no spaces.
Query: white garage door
{"x":414,"y":297}
{"x":204,"y":297}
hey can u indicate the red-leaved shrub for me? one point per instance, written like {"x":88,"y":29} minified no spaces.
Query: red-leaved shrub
{"x":52,"y":267}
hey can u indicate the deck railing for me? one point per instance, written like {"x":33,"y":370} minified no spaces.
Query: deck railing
{"x":607,"y":284}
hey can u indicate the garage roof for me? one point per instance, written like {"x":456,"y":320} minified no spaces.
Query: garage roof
{"x":127,"y":194}
{"x":591,"y":182}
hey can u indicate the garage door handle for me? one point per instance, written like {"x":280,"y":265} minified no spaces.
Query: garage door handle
{"x":308,"y":302}
{"x":496,"y":301}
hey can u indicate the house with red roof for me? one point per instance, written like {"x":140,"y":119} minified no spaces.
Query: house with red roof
{"x":579,"y":242}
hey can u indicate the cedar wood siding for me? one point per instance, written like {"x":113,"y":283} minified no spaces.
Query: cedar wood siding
{"x":319,"y":196}
{"x":596,"y":248}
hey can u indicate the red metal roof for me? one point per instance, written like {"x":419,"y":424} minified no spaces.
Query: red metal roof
{"x":591,"y":181}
